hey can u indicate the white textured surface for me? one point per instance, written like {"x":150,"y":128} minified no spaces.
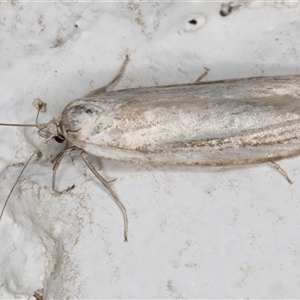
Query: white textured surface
{"x":194,"y":232}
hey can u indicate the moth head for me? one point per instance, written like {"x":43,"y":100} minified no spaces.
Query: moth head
{"x":51,"y":129}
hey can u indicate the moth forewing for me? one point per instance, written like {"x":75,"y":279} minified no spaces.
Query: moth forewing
{"x":232,"y":122}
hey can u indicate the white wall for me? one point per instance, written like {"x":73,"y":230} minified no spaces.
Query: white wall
{"x":193,"y":232}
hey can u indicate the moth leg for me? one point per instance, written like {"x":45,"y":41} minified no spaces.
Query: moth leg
{"x":281,"y":171}
{"x":58,"y":158}
{"x":104,"y":88}
{"x":107,"y":185}
{"x":203,"y":75}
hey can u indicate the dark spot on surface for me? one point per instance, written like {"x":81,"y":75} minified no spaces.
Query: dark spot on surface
{"x":76,"y":26}
{"x":88,"y":111}
{"x":193,"y":21}
{"x":227,"y":9}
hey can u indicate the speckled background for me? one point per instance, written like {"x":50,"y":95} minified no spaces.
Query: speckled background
{"x":193,"y":232}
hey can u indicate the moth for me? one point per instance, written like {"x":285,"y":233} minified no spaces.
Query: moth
{"x":219,"y":123}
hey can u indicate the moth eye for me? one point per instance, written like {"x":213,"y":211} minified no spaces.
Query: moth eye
{"x":88,"y":111}
{"x":59,"y":139}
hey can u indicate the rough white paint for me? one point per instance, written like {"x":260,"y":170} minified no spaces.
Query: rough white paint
{"x":194,"y":232}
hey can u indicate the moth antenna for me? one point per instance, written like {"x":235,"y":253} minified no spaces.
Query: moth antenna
{"x":41,"y":107}
{"x":18,"y":125}
{"x":103,"y":89}
{"x":20,"y":174}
